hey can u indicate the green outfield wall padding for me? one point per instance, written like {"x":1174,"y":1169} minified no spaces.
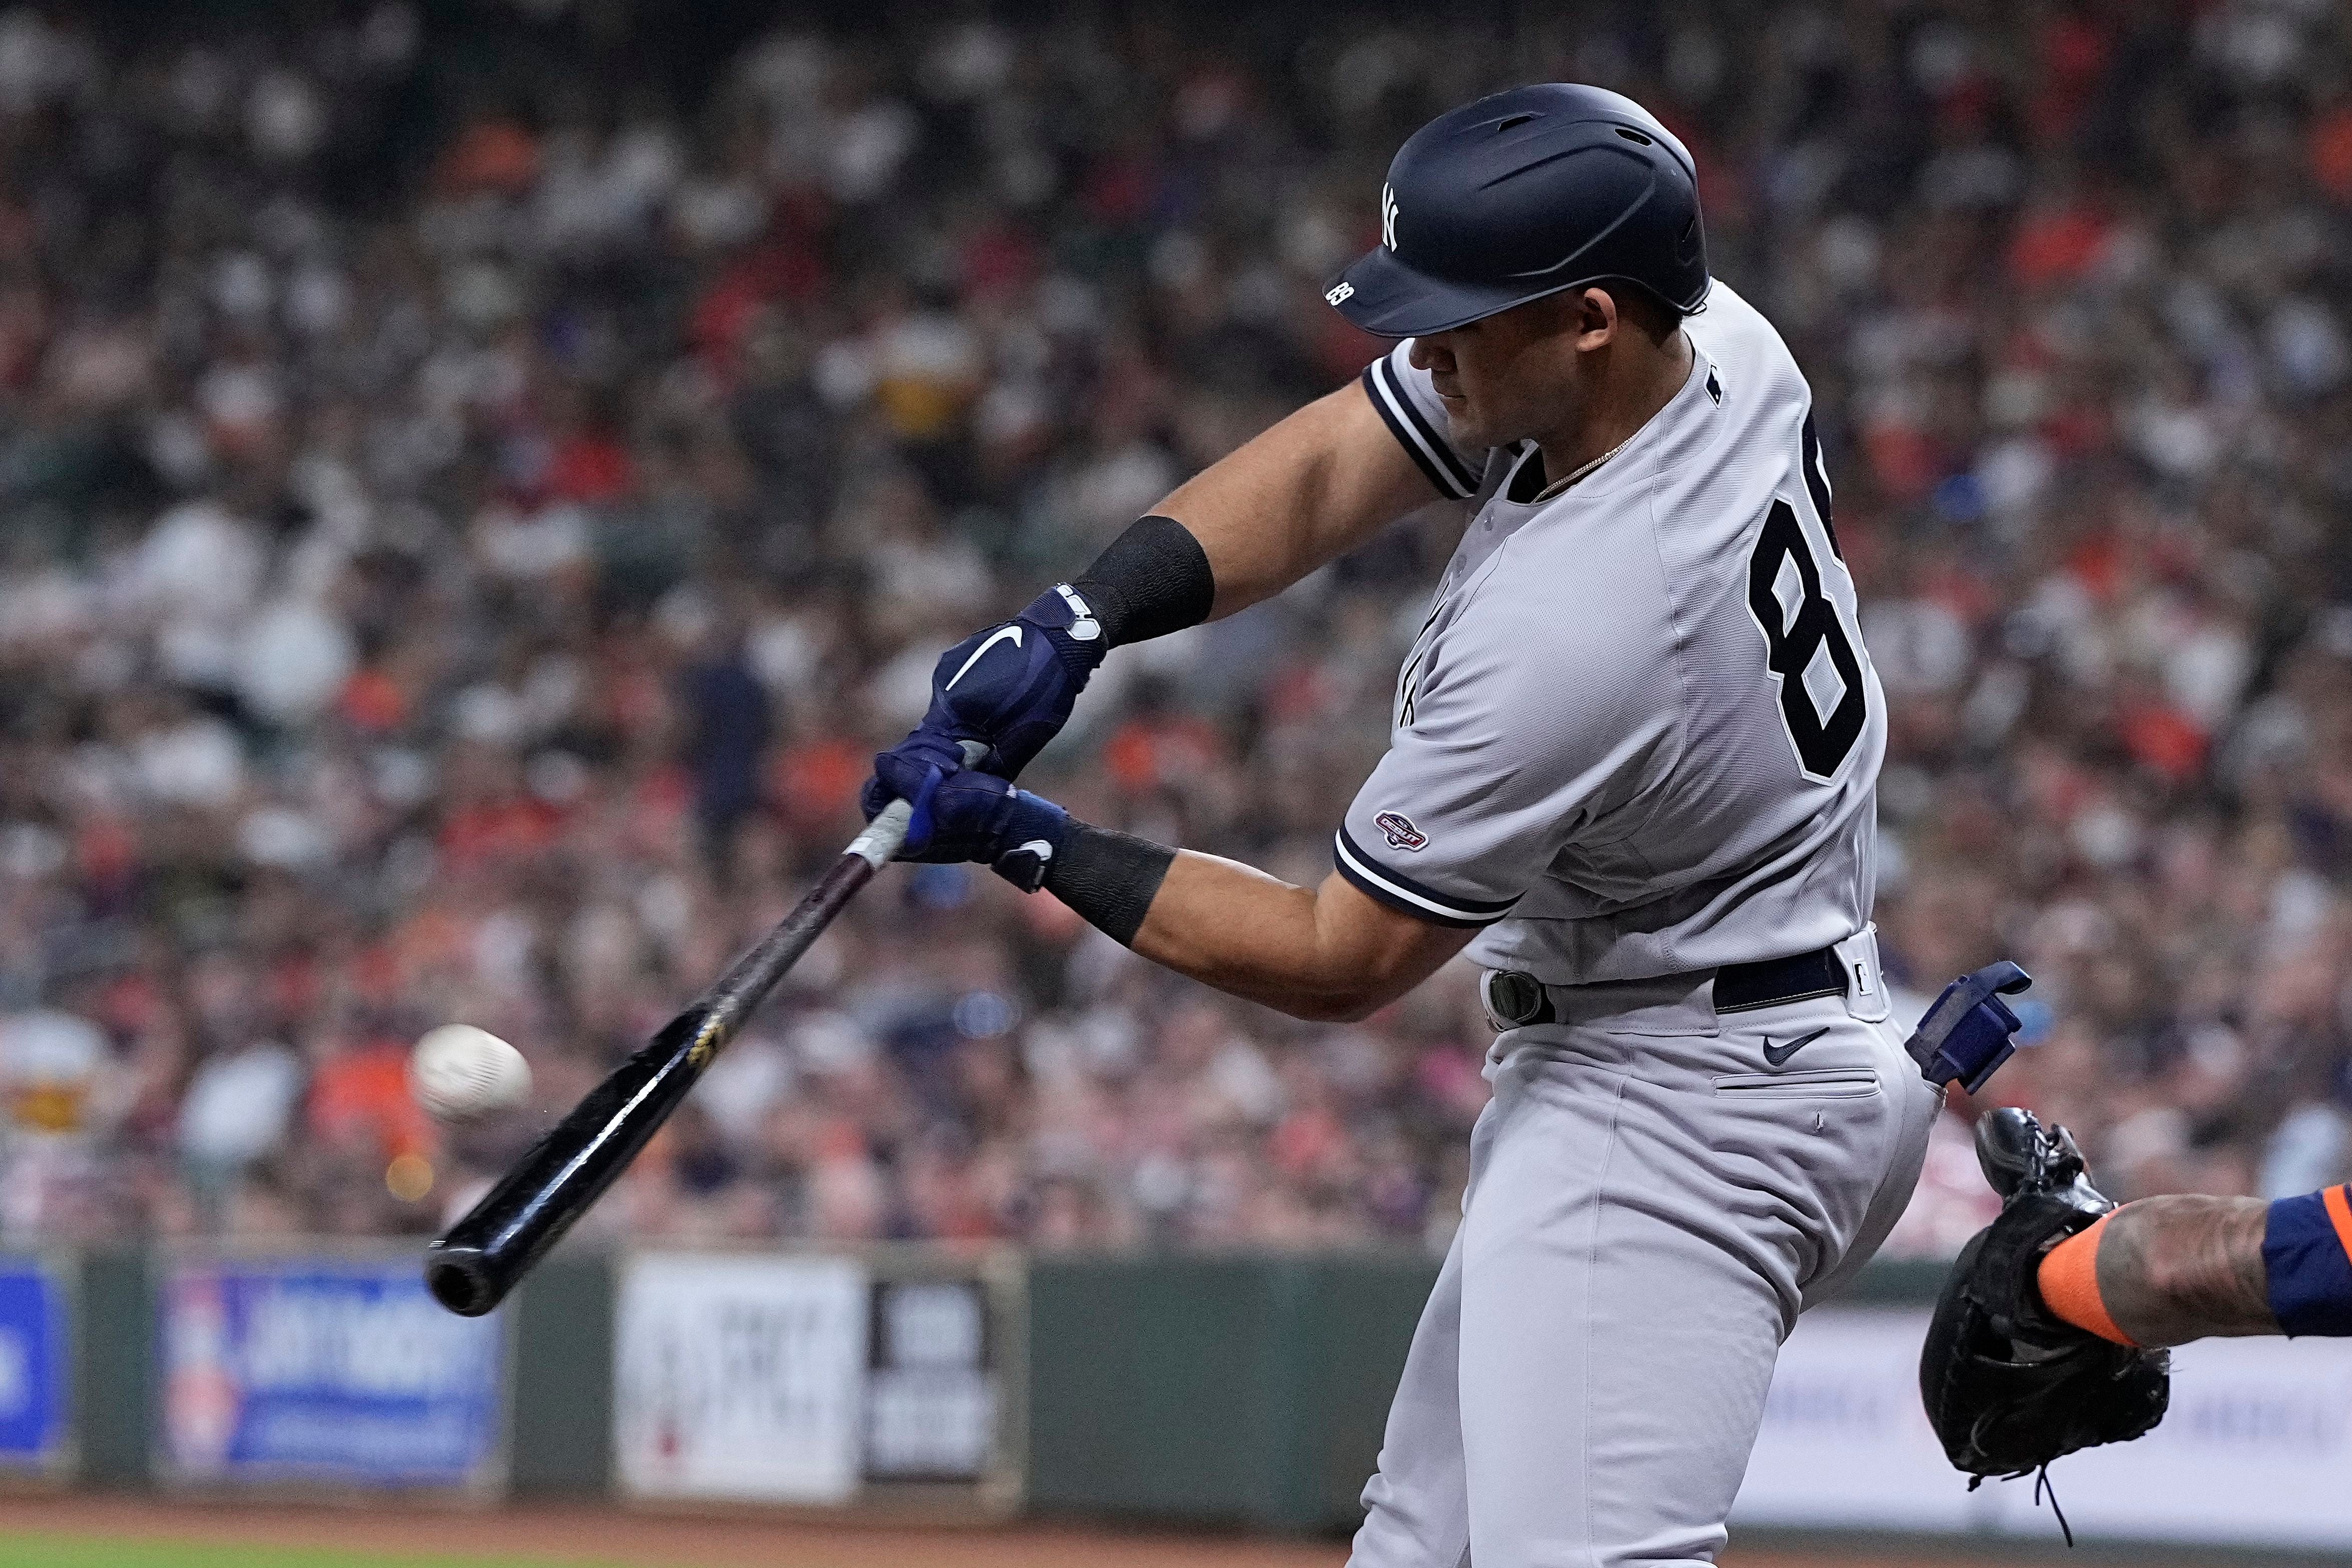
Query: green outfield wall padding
{"x":114,"y":1368}
{"x":563,"y":1387}
{"x":1233,"y":1390}
{"x":1244,"y":1389}
{"x":1238,"y":1390}
{"x":1353,"y":1345}
{"x":1897,"y":1282}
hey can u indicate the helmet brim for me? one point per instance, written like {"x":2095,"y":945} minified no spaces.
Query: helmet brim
{"x":1390,"y":300}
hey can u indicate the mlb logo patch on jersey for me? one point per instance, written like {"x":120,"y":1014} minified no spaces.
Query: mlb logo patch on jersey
{"x":1397,"y":829}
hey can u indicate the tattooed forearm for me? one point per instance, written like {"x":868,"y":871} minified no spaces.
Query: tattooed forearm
{"x":2173,"y":1270}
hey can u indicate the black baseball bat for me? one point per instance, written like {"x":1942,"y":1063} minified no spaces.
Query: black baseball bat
{"x":479,"y":1259}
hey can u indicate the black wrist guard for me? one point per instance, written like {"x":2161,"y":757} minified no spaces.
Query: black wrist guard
{"x":1109,"y":879}
{"x":1152,"y":580}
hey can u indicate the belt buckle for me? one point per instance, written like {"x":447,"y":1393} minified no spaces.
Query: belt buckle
{"x":1513,"y":999}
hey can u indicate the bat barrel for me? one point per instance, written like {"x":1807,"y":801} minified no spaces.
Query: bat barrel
{"x":471,"y":1269}
{"x":460,"y":1280}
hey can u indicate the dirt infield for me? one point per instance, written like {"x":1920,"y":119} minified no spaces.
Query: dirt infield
{"x":636,"y":1540}
{"x":620,"y":1536}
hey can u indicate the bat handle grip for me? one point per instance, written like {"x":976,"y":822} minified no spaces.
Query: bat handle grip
{"x":887,"y":831}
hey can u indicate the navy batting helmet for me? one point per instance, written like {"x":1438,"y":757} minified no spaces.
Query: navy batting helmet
{"x":1524,"y":194}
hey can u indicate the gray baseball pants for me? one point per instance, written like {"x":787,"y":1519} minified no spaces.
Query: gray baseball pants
{"x":1651,"y":1204}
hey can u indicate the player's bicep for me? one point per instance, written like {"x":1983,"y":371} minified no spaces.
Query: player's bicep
{"x":1321,"y":481}
{"x":1368,"y":480}
{"x":1390,"y":951}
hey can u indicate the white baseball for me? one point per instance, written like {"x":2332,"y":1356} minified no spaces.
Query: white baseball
{"x":459,"y":1073}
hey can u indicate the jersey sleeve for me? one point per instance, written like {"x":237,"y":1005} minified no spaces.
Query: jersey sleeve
{"x":1525,"y":729}
{"x":1416,"y":417}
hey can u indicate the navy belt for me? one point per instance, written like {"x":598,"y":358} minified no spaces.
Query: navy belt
{"x":1515,"y":1000}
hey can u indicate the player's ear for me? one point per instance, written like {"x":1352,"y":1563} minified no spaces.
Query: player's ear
{"x":1593,"y":318}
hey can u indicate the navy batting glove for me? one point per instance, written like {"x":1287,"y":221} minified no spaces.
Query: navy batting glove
{"x":971,"y":815}
{"x":899,"y":771}
{"x":1010,"y":686}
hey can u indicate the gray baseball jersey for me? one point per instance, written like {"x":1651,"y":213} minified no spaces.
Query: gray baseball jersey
{"x":1638,"y":733}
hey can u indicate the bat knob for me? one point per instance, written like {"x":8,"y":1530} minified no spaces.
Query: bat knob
{"x":459,"y":1278}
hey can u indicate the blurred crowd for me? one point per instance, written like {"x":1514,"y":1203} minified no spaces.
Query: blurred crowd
{"x":468,"y":510}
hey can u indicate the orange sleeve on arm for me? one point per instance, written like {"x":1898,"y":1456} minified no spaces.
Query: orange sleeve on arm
{"x":2069,"y":1279}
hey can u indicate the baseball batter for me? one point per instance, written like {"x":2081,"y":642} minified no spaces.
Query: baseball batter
{"x":1632,"y":768}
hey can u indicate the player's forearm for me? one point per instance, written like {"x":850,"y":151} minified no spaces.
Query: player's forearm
{"x":1247,"y":933}
{"x":1296,"y":496}
{"x":2173,"y":1270}
{"x":1293,"y":949}
{"x":1333,"y":953}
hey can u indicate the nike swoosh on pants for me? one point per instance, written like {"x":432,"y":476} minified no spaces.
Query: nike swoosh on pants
{"x":1775,"y":1054}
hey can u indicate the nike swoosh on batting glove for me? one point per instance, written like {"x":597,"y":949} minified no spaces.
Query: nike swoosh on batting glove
{"x":1013,"y":685}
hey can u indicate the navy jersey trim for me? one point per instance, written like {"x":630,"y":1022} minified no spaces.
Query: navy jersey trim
{"x":1403,"y":894}
{"x":1429,"y":450}
{"x":1527,"y":479}
{"x":2308,"y":1260}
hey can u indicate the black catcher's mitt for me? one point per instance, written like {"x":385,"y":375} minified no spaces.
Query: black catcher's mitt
{"x":2008,"y":1385}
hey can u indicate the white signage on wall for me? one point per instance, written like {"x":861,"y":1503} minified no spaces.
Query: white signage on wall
{"x":741,"y":1377}
{"x":2254,"y":1449}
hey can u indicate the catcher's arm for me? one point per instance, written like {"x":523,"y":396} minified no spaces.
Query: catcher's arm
{"x":2166,"y":1270}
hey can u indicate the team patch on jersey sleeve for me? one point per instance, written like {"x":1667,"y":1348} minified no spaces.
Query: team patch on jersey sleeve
{"x":1428,"y":448}
{"x":1399,"y":891}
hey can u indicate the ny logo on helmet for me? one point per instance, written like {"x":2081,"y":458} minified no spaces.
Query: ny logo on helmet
{"x":1388,"y":217}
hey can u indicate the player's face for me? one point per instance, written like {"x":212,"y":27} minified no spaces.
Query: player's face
{"x":1515,"y":375}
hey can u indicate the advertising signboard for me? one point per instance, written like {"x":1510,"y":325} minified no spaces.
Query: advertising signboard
{"x":35,"y":1379}
{"x":931,"y":1388}
{"x":741,"y":1377}
{"x":327,"y":1370}
{"x":2254,"y":1450}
